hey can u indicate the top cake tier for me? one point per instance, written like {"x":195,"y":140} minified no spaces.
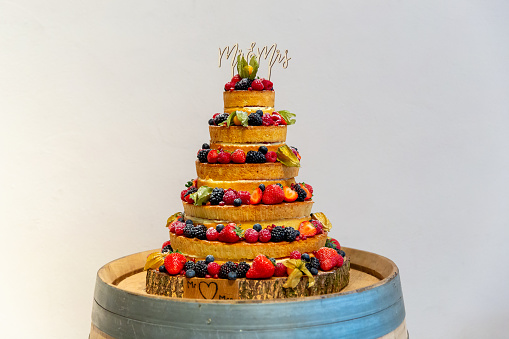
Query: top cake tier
{"x":249,"y":101}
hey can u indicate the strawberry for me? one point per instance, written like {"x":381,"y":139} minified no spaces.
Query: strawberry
{"x":229,"y":196}
{"x":264,"y":235}
{"x":280,"y":270}
{"x":256,"y":196}
{"x":261,"y":268}
{"x":319,"y":226}
{"x":224,"y":157}
{"x":245,"y":197}
{"x":236,"y":78}
{"x":328,"y":258}
{"x":309,"y":187}
{"x":271,"y":156}
{"x":335,"y":242}
{"x":213,"y":268}
{"x":229,"y":86}
{"x":273,"y":194}
{"x":211,"y":234}
{"x":267,"y":120}
{"x":212,"y":157}
{"x":295,"y":255}
{"x":340,"y":261}
{"x":307,"y":229}
{"x":289,"y":194}
{"x":278,"y":119}
{"x":230,"y":234}
{"x":174,"y":263}
{"x":239,"y":156}
{"x":179,"y":228}
{"x":257,"y":85}
{"x":267,"y":84}
{"x":251,"y":235}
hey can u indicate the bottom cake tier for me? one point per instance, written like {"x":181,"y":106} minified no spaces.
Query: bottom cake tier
{"x":251,"y":289}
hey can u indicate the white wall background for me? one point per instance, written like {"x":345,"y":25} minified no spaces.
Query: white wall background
{"x":403,"y":114}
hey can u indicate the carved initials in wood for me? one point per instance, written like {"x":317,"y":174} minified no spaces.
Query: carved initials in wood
{"x":210,"y":289}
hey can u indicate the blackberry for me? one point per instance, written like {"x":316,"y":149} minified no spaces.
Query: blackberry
{"x":305,"y":256}
{"x":219,"y":228}
{"x":167,"y":248}
{"x":263,"y":149}
{"x":216,"y":196}
{"x":220,"y":118}
{"x":190,"y":273}
{"x":189,"y":231}
{"x":254,"y":120}
{"x":262,"y":187}
{"x":301,"y":193}
{"x":254,"y":157}
{"x":290,"y":234}
{"x":211,"y":122}
{"x":202,"y":155}
{"x":232,"y":275}
{"x":190,"y":190}
{"x":242,"y":269}
{"x":209,"y":258}
{"x":341,"y":253}
{"x":162,"y":269}
{"x":257,"y":227}
{"x":226,"y":268}
{"x":237,"y":202}
{"x":201,"y":269}
{"x":200,"y":232}
{"x":205,"y":146}
{"x":314,"y":262}
{"x":189,"y":265}
{"x":259,"y":112}
{"x":243,"y":84}
{"x":277,"y":234}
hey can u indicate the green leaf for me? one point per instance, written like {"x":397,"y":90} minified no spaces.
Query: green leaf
{"x":254,"y":63}
{"x":241,"y":67}
{"x":229,"y":120}
{"x":202,"y":196}
{"x":286,"y":156}
{"x":288,"y":117}
{"x":239,"y":64}
{"x":243,"y":117}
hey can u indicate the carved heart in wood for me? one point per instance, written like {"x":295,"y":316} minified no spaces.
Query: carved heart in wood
{"x":208,"y":290}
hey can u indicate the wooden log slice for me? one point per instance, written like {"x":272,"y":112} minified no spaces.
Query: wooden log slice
{"x":295,"y":222}
{"x":230,"y":147}
{"x":230,"y":172}
{"x":250,"y":212}
{"x":246,"y":135}
{"x":245,"y":289}
{"x":242,"y":185}
{"x":243,"y":251}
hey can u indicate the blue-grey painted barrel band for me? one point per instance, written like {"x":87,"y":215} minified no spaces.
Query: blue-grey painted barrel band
{"x":371,"y":312}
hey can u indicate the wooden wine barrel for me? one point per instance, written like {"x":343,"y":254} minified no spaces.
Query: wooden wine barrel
{"x":371,"y":306}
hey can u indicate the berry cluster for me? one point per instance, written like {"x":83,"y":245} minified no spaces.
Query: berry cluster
{"x":242,"y":84}
{"x":257,"y":118}
{"x":206,"y":155}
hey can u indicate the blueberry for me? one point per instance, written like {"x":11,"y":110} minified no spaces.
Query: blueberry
{"x":313,"y":271}
{"x":190,"y":273}
{"x":262,"y":187}
{"x":189,"y":222}
{"x":342,"y":253}
{"x":305,"y":257}
{"x":162,"y":269}
{"x":263,"y":149}
{"x":219,"y":228}
{"x":237,"y":202}
{"x":232,"y":275}
{"x":257,"y":227}
{"x":211,"y":122}
{"x":205,"y":146}
{"x":273,"y":260}
{"x":259,"y":112}
{"x":209,"y":258}
{"x":181,"y":219}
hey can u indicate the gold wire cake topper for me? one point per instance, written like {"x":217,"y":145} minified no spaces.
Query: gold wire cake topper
{"x":272,"y":54}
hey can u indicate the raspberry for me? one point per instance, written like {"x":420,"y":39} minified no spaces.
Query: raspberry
{"x":264,"y":235}
{"x":236,"y":78}
{"x":280,"y":270}
{"x":229,"y":85}
{"x":267,"y":120}
{"x":245,"y":197}
{"x":318,"y":225}
{"x":224,"y":158}
{"x":271,"y":156}
{"x":213,"y":268}
{"x":257,"y":85}
{"x":211,"y":234}
{"x":230,"y":196}
{"x":239,"y":156}
{"x":251,"y":235}
{"x":267,"y":84}
{"x":295,"y":255}
{"x":179,"y":228}
{"x":212,"y":157}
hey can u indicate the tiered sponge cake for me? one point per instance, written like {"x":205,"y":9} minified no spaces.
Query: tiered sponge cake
{"x":290,"y":216}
